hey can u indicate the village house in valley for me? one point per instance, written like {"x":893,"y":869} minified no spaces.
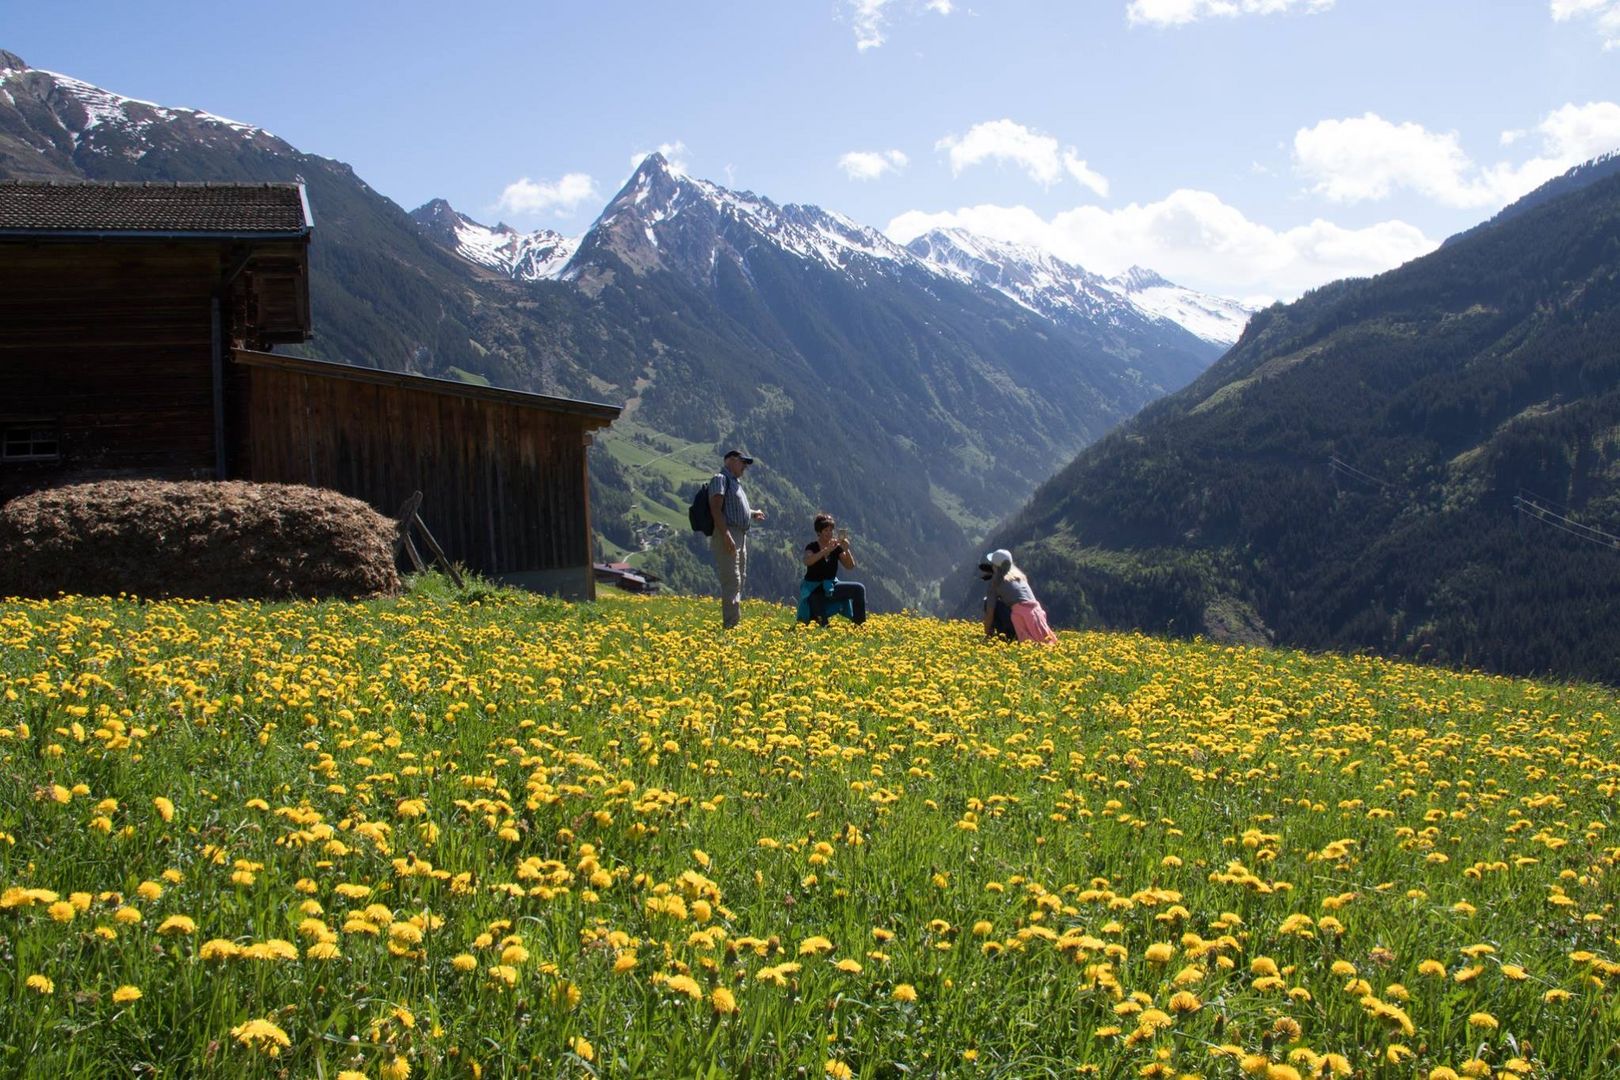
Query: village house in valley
{"x":139,"y":322}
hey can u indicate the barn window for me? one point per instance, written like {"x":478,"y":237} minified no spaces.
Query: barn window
{"x":30,"y":440}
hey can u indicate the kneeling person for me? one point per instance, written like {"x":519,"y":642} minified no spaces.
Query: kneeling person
{"x":821,"y":594}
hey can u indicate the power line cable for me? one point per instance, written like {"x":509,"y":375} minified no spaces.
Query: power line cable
{"x":1536,"y":512}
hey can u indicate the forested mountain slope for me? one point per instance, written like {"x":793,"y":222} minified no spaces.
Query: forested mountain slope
{"x":1360,"y":471}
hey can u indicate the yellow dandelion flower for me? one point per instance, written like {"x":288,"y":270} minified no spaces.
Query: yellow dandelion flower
{"x":165,"y":808}
{"x":41,"y":984}
{"x":464,"y":962}
{"x":904,"y":992}
{"x":723,"y":1001}
{"x":126,"y":994}
{"x":848,"y":967}
{"x":1159,"y":953}
{"x":1483,"y":1021}
{"x":263,"y":1036}
{"x":61,"y":911}
{"x":838,"y":1070}
{"x":1185,"y":1001}
{"x":218,"y":949}
{"x":814,"y":946}
{"x":582,"y":1048}
{"x":685,"y":984}
{"x":177,"y":924}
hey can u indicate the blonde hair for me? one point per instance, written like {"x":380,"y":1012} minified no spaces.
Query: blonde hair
{"x":1010,"y":572}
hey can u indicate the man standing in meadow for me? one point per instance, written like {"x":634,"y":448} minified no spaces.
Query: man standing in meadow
{"x":729,"y":541}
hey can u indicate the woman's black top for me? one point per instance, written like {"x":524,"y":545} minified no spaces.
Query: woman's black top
{"x":824,"y":569}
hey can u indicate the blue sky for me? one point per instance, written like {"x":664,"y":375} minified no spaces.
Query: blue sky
{"x":1250,"y":147}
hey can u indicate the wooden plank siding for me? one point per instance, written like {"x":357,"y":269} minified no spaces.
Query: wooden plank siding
{"x":503,"y":476}
{"x":110,"y":343}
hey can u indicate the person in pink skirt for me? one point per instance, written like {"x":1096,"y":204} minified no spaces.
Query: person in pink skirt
{"x":1009,"y":585}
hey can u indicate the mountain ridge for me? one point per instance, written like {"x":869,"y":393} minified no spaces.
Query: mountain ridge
{"x":1357,"y":472}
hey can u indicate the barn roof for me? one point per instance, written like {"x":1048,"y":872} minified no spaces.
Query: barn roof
{"x":594,"y":413}
{"x":46,"y":208}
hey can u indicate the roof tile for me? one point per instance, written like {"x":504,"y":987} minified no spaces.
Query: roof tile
{"x":86,"y":206}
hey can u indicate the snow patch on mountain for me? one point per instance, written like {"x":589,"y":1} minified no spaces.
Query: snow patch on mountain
{"x":1213,"y":318}
{"x":1058,"y":290}
{"x":105,"y":108}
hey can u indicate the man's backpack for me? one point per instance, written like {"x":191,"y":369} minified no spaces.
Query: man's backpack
{"x":699,"y":514}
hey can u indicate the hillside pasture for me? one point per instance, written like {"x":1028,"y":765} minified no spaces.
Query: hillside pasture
{"x":421,"y":837}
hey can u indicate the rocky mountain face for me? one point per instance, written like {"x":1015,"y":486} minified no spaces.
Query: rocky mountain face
{"x":1423,"y":464}
{"x":919,"y":406}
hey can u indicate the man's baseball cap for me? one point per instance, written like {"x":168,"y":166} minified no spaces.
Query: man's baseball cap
{"x":746,"y":460}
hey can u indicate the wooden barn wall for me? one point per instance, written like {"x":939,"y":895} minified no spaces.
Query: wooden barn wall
{"x":504,"y":486}
{"x":110,"y":342}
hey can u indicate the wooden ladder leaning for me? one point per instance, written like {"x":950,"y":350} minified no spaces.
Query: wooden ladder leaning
{"x":409,"y":515}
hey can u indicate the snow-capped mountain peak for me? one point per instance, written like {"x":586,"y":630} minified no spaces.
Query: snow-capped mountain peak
{"x":665,"y":218}
{"x":1213,"y":318}
{"x":535,"y":256}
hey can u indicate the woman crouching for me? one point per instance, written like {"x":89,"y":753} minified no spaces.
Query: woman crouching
{"x":1011,"y":587}
{"x":821,"y":594}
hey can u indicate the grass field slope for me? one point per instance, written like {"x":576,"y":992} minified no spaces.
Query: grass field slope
{"x":436,"y":837}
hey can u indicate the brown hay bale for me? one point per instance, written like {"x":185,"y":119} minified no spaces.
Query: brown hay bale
{"x":195,"y":539}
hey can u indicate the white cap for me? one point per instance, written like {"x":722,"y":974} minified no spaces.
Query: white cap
{"x":1000,"y":557}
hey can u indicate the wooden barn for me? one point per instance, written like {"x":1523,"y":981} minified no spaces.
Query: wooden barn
{"x":135,"y":324}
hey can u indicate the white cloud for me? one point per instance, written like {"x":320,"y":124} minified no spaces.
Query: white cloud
{"x":1369,"y":158}
{"x":1605,"y":13}
{"x":871,"y":164}
{"x":1182,"y":12}
{"x":869,"y":19}
{"x":1038,"y":155}
{"x":674,"y":153}
{"x":527,"y":196}
{"x":1193,"y":238}
{"x":1079,"y":170}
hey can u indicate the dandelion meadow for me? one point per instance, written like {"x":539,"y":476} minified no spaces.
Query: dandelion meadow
{"x":425,"y":837}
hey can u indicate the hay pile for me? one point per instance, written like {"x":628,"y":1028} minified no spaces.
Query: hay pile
{"x":194,"y":539}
